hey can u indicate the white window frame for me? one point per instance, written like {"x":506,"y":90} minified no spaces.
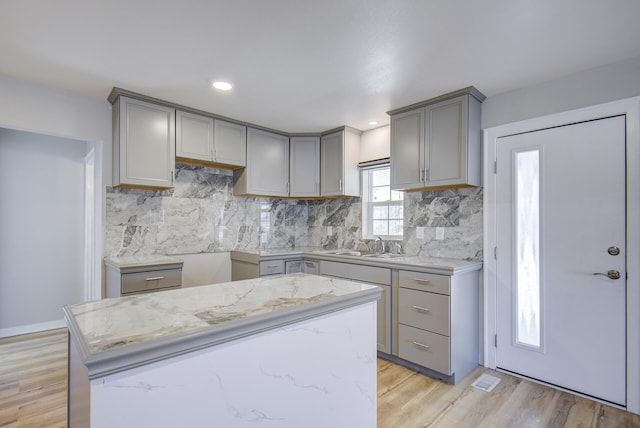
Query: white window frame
{"x":368,"y":204}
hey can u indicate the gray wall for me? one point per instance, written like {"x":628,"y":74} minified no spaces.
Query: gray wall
{"x":600,"y":85}
{"x":46,"y":110}
{"x":41,"y":225}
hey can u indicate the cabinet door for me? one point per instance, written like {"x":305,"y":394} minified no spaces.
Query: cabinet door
{"x":331,"y":164}
{"x":384,"y":320}
{"x":408,"y":153}
{"x":145,"y":152}
{"x":194,"y":136}
{"x":267,"y":171}
{"x":446,"y":139}
{"x":230,"y":143}
{"x":304,"y":170}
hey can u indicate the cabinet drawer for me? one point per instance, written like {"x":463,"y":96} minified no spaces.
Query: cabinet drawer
{"x":151,"y":280}
{"x":427,"y":349}
{"x":271,"y":267}
{"x":427,"y":311}
{"x":375,"y":275}
{"x":424,"y":281}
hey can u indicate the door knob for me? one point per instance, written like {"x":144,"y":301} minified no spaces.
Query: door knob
{"x":613,"y":274}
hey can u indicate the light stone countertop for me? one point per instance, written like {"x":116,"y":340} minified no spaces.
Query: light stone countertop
{"x":120,"y":333}
{"x":437,"y":265}
{"x":142,"y":261}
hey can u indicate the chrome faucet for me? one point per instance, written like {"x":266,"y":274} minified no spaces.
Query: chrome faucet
{"x":382,"y":246}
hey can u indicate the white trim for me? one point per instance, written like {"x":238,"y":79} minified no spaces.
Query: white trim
{"x":631,"y":108}
{"x":89,"y":223}
{"x":31,"y":328}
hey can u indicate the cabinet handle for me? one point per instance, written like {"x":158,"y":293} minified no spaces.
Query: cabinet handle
{"x":422,"y":174}
{"x":155,"y":278}
{"x":340,"y":184}
{"x":172,"y":177}
{"x":273,"y":266}
{"x":421,"y":345}
{"x":426,"y":175}
{"x":420,"y":280}
{"x":288,"y":187}
{"x":420,"y":308}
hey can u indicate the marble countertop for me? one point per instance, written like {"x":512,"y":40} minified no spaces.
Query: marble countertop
{"x":115,"y":334}
{"x":142,"y":261}
{"x":436,"y":265}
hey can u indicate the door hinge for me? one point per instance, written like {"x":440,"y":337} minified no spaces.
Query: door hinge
{"x":495,"y":340}
{"x":495,"y":253}
{"x":495,"y":167}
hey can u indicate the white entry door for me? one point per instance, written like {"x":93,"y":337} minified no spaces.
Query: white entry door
{"x":561,"y":257}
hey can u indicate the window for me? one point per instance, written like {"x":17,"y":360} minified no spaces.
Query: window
{"x":382,"y":209}
{"x":528,"y":287}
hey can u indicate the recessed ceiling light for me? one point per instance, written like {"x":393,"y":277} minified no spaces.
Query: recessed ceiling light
{"x":222,"y":86}
{"x":373,"y":122}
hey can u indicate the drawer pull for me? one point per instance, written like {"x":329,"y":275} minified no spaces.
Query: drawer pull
{"x":420,"y":308}
{"x":155,"y":278}
{"x":423,"y":281}
{"x":421,"y":345}
{"x":273,"y":266}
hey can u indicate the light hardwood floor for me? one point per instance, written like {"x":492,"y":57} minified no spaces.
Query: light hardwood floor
{"x":33,"y":380}
{"x":33,"y":393}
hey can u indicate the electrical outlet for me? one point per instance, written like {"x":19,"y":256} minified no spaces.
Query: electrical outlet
{"x":439,"y":233}
{"x":329,"y":230}
{"x":420,"y":232}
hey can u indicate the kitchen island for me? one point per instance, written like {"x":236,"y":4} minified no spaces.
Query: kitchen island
{"x":282,"y":351}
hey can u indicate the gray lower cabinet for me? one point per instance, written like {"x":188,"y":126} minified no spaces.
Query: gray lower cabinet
{"x":249,"y":268}
{"x":436,"y":143}
{"x":143,"y":144}
{"x":125,"y":277}
{"x":373,"y":275}
{"x":267,"y":170}
{"x":203,"y":139}
{"x":438,"y":322}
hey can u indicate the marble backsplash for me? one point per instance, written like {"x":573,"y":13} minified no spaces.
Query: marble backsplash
{"x":201,"y":214}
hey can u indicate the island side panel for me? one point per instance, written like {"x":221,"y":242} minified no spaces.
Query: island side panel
{"x":78,"y":390}
{"x":315,"y":373}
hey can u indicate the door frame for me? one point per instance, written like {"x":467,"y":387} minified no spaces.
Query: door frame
{"x":629,"y":107}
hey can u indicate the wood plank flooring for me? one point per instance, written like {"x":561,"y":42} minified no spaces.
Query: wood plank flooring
{"x":33,"y":380}
{"x":409,"y":399}
{"x":33,"y":393}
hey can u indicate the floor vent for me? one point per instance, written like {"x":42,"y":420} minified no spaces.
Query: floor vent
{"x":486,"y":382}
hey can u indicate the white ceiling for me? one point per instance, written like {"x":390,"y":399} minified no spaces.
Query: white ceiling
{"x":310,"y":65}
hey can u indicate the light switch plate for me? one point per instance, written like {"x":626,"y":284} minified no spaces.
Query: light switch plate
{"x":329,"y":230}
{"x":420,"y":232}
{"x":439,"y":233}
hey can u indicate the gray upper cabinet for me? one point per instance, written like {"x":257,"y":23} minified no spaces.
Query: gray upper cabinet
{"x":194,"y":137}
{"x":203,"y":139}
{"x":267,"y":170}
{"x":407,"y":149}
{"x":230,"y":143}
{"x":304,"y":167}
{"x":339,"y":156}
{"x":436,"y":144}
{"x":144,"y":144}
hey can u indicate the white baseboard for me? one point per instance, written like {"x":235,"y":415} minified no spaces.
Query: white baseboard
{"x":31,"y":328}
